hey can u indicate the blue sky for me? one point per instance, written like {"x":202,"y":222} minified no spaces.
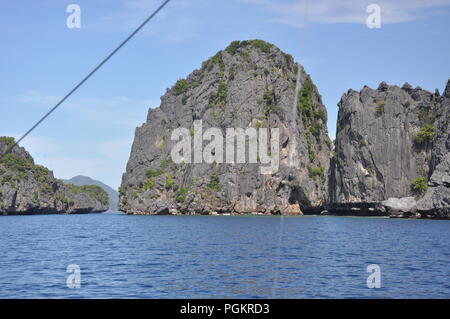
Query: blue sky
{"x":91,"y":134}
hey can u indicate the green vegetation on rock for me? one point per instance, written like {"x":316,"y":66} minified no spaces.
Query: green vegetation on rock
{"x":311,"y":153}
{"x":164,"y":163}
{"x":170,"y":182}
{"x":16,"y":163}
{"x":184,"y":99}
{"x":217,"y":59}
{"x":380,"y":107}
{"x":9,"y":141}
{"x":427,"y":116}
{"x":270,"y":100}
{"x":151,"y":173}
{"x":419,"y":185}
{"x":93,"y":191}
{"x":260,"y":44}
{"x":426,"y":134}
{"x":41,"y":173}
{"x":181,"y":87}
{"x":316,"y":172}
{"x":8,"y":179}
{"x":181,"y":194}
{"x":214,"y":183}
{"x":149,"y":184}
{"x":219,"y":98}
{"x":233,"y":47}
{"x":305,"y":104}
{"x":313,"y":117}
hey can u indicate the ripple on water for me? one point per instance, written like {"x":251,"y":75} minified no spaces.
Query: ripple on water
{"x":222,"y":257}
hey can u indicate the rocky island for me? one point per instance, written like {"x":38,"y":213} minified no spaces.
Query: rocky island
{"x":27,"y":188}
{"x":250,"y":84}
{"x":392,"y":153}
{"x":390,"y":157}
{"x":81,"y":180}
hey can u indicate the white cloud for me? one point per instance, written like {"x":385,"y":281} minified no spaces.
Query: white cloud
{"x":299,"y":12}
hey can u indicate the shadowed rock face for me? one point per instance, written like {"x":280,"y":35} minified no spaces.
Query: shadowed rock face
{"x":26,"y":188}
{"x":387,"y":140}
{"x":249,"y":84}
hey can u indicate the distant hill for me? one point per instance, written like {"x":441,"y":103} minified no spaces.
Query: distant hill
{"x":81,"y":180}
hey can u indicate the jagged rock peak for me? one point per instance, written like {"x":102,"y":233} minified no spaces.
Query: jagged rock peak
{"x":447,"y":89}
{"x":383,"y":86}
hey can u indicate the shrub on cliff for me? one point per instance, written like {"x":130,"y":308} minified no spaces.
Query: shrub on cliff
{"x":214,"y":183}
{"x":316,"y":171}
{"x":419,"y":185}
{"x":217,"y":59}
{"x":181,"y":87}
{"x":380,"y":107}
{"x":16,"y":163}
{"x":9,"y":141}
{"x":425,"y":134}
{"x":257,"y":43}
{"x":219,"y":98}
{"x":233,"y":47}
{"x":181,"y":194}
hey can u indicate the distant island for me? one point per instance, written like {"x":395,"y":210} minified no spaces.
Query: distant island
{"x":28,"y":189}
{"x":81,"y":180}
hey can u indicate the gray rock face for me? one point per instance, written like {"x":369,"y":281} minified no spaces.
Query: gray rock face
{"x":27,"y":188}
{"x":400,"y":207}
{"x":81,"y":180}
{"x":436,"y":202}
{"x":251,"y":84}
{"x":390,"y":142}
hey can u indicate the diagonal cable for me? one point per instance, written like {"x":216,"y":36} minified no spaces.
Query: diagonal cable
{"x":86,"y":78}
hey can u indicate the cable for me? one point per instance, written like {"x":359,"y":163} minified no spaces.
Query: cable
{"x":86,"y":78}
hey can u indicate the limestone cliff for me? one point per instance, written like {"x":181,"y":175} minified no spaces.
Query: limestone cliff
{"x":250,"y":84}
{"x":391,"y":142}
{"x":27,"y":188}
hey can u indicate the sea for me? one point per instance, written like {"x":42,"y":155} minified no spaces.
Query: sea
{"x":113,"y":255}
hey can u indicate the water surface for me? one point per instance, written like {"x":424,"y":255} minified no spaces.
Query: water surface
{"x":222,"y":257}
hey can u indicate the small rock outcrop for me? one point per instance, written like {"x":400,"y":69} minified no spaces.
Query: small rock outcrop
{"x":400,"y":207}
{"x":392,"y":142}
{"x":27,"y":188}
{"x":250,"y":84}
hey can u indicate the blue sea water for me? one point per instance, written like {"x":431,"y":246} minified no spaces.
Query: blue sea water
{"x":124,"y":256}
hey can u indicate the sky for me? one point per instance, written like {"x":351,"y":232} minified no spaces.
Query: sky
{"x":92,"y":132}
